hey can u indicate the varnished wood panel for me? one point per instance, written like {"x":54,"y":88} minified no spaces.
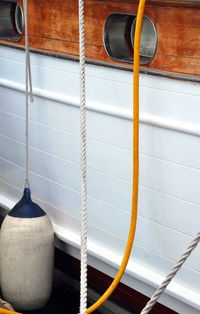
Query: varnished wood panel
{"x":54,"y":28}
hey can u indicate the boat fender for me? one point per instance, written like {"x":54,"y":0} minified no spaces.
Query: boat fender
{"x":27,"y":254}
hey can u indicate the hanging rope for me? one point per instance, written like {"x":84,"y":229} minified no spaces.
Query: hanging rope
{"x":171,"y":275}
{"x":135,"y":180}
{"x":83,"y":276}
{"x":28,"y":85}
{"x":178,"y":265}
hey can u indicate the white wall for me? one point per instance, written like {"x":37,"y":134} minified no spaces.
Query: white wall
{"x":169,"y":211}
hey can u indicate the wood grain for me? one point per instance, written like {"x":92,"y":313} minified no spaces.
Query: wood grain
{"x":54,"y":28}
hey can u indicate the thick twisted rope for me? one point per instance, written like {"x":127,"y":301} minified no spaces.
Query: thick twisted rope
{"x":28,"y":84}
{"x":83,"y":276}
{"x":171,"y":275}
{"x":135,"y":172}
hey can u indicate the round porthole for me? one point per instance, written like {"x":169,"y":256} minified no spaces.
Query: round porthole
{"x":11,"y":20}
{"x":19,"y":19}
{"x":119,"y":33}
{"x":148,"y":40}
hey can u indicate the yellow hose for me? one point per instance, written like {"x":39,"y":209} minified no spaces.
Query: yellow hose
{"x":3,"y":311}
{"x":135,"y":180}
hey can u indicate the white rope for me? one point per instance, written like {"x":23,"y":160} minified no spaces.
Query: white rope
{"x":28,"y":85}
{"x":83,"y":276}
{"x":171,"y":274}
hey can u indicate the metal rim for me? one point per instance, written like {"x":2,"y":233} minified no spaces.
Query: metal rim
{"x":19,"y":19}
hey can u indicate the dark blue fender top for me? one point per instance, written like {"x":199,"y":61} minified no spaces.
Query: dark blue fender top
{"x":26,"y":208}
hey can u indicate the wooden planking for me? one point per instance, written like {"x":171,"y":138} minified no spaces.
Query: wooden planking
{"x":64,"y":172}
{"x":112,"y":189}
{"x":49,"y":143}
{"x":54,"y":28}
{"x":156,"y":142}
{"x":167,"y":100}
{"x":165,"y":242}
{"x":143,"y":256}
{"x":57,"y":134}
{"x":47,"y":162}
{"x":161,"y":240}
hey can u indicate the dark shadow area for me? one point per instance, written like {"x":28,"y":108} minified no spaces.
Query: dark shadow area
{"x":63,"y":301}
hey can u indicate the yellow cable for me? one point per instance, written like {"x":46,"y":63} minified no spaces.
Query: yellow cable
{"x":135,"y":181}
{"x":3,"y":311}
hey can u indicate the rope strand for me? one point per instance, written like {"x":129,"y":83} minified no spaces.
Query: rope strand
{"x":83,"y":279}
{"x":133,"y":220}
{"x":28,"y":85}
{"x":171,"y":275}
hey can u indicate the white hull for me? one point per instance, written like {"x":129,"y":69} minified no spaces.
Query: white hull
{"x":169,"y":211}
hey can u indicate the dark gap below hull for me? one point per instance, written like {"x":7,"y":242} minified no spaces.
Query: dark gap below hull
{"x":65,"y":299}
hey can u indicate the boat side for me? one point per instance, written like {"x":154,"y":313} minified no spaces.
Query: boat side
{"x":169,"y":166}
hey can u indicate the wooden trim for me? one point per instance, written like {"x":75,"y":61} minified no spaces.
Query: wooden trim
{"x":54,"y":29}
{"x":132,"y":299}
{"x":108,"y":65}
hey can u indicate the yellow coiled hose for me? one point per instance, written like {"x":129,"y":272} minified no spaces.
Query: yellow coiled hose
{"x":3,"y":311}
{"x":135,"y":180}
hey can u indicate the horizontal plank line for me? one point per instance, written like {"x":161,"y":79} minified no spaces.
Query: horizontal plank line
{"x":146,"y":71}
{"x":149,"y":119}
{"x":133,"y":269}
{"x":91,"y":72}
{"x":98,"y":200}
{"x":77,"y":136}
{"x":8,"y":205}
{"x":100,"y":172}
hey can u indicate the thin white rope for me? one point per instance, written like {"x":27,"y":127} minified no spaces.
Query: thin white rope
{"x":83,"y":276}
{"x":28,"y":85}
{"x":171,"y":275}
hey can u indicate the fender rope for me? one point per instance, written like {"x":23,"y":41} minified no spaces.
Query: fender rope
{"x":28,"y":85}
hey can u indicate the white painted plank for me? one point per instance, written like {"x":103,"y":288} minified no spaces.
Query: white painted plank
{"x":154,"y":205}
{"x":117,"y":246}
{"x":163,"y":103}
{"x":167,"y":177}
{"x":169,"y":211}
{"x":161,"y":240}
{"x":144,"y":257}
{"x":156,"y":142}
{"x":172,"y":146}
{"x":169,"y":199}
{"x":102,"y":72}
